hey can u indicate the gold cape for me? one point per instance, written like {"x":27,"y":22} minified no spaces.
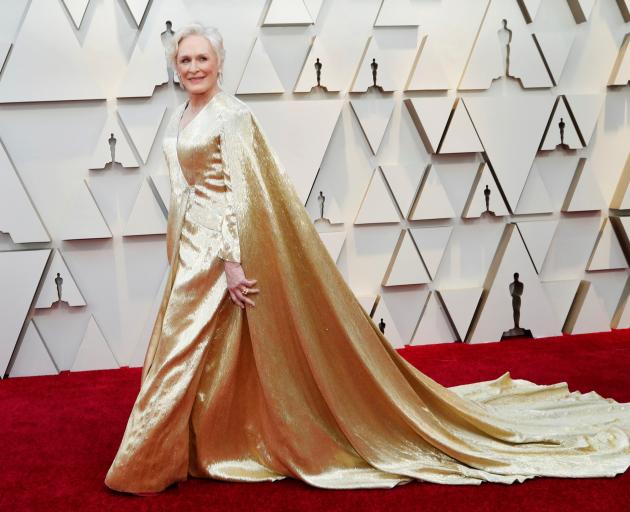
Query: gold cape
{"x":304,"y":384}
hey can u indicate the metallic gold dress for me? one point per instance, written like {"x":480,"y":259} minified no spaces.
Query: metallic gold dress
{"x":304,"y":384}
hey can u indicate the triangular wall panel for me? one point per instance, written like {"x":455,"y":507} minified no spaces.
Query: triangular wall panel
{"x":432,"y":202}
{"x":20,"y":273}
{"x":434,"y":326}
{"x":146,"y":216}
{"x":69,"y":289}
{"x":432,"y":243}
{"x":373,"y":116}
{"x":63,"y":70}
{"x":461,"y":305}
{"x":537,"y":236}
{"x":607,"y":253}
{"x":299,"y":146}
{"x":460,"y":136}
{"x":430,"y":116}
{"x":94,"y":352}
{"x":142,"y":121}
{"x":33,"y":357}
{"x":18,"y":216}
{"x":510,"y":132}
{"x":406,"y":266}
{"x":376,"y":207}
{"x":259,"y":76}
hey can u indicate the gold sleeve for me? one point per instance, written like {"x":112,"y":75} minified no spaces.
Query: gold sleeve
{"x":235,"y":136}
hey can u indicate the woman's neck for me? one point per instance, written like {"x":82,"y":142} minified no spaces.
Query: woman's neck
{"x":197,"y":101}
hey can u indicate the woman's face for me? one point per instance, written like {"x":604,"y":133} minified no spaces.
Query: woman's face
{"x":197,"y":65}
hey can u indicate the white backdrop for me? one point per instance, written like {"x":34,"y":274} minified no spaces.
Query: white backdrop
{"x":403,"y":166}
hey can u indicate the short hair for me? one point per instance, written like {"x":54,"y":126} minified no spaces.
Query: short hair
{"x":210,"y":33}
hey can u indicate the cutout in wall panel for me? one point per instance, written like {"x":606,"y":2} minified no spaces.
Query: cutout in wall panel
{"x":112,"y":146}
{"x":18,"y":216}
{"x":333,"y":242}
{"x":535,"y":197}
{"x":430,"y":116}
{"x":485,"y":197}
{"x":561,"y":132}
{"x":287,"y":12}
{"x":20,"y":274}
{"x":434,"y":326}
{"x":373,"y":115}
{"x":332,"y":78}
{"x":461,"y":305}
{"x":386,"y":61}
{"x":406,"y":266}
{"x":142,"y":121}
{"x":497,"y":313}
{"x":583,"y":193}
{"x":376,"y":207}
{"x":428,"y":73}
{"x":332,"y":213}
{"x":607,"y":253}
{"x":94,"y":352}
{"x":146,"y":216}
{"x":403,"y":180}
{"x":32,"y":357}
{"x":460,"y":136}
{"x":259,"y":76}
{"x":63,"y":70}
{"x":504,"y":48}
{"x":432,"y":201}
{"x":510,"y":132}
{"x":537,"y":236}
{"x":147,"y":67}
{"x":59,"y":285}
{"x":299,"y":145}
{"x":431,"y":243}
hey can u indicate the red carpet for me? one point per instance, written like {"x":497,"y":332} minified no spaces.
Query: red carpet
{"x":59,"y":435}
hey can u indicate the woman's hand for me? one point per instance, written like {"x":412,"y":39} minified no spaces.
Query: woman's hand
{"x":238,"y":285}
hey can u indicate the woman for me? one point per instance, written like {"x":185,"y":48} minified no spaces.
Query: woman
{"x":301,"y":383}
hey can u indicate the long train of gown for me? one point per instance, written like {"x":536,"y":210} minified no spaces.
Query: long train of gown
{"x":304,"y":385}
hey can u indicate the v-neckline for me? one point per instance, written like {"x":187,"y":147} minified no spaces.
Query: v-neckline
{"x":181,"y":129}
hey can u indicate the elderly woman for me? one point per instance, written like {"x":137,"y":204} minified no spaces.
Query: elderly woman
{"x":301,"y":383}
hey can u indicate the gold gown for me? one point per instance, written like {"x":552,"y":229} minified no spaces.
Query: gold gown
{"x":304,"y":384}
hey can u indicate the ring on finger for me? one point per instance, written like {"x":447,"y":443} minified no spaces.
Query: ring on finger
{"x":244,"y":291}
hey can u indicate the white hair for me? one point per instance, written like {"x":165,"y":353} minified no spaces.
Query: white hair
{"x":210,"y":33}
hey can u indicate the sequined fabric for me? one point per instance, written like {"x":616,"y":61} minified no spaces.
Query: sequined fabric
{"x":304,"y":385}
